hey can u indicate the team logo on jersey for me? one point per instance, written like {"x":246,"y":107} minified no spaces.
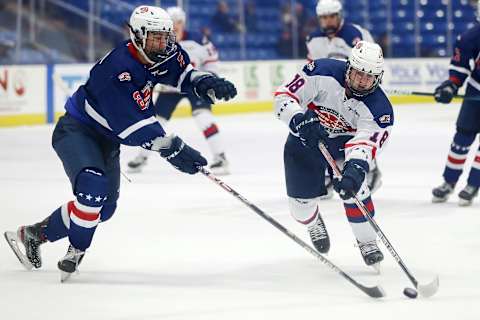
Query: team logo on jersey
{"x":385,"y":119}
{"x":311,"y":66}
{"x":124,"y":76}
{"x":333,"y":121}
{"x":181,"y":60}
{"x":143,"y":98}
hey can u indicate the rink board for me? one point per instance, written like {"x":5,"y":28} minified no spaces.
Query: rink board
{"x":37,"y":94}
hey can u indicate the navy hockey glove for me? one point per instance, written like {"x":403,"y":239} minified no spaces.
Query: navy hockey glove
{"x":444,"y":93}
{"x":183,"y":157}
{"x":210,"y":87}
{"x":353,"y":174}
{"x":309,"y":129}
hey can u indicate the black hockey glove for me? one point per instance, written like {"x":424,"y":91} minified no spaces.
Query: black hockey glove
{"x":183,"y":157}
{"x":444,"y":93}
{"x":353,"y":174}
{"x":210,"y":87}
{"x":309,"y":129}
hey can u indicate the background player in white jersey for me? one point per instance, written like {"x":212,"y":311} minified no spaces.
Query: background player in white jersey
{"x":338,"y":103}
{"x":334,"y":39}
{"x":204,"y":57}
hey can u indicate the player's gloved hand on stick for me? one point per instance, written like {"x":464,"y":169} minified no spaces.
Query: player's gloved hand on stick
{"x":210,"y":87}
{"x":183,"y":157}
{"x":444,"y":92}
{"x":309,"y":129}
{"x":353,"y":175}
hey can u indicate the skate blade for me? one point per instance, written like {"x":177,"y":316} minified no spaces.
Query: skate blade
{"x":439,"y":200}
{"x":64,"y":276}
{"x":464,"y":203}
{"x":377,"y":267}
{"x":12,"y":240}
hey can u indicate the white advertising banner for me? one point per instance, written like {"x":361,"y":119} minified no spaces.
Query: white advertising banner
{"x":66,"y":80}
{"x":23,"y":90}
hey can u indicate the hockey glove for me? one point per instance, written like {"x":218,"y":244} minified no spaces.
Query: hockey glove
{"x":183,"y":157}
{"x":444,"y":93}
{"x":353,"y":174}
{"x":309,"y":129}
{"x":210,"y":87}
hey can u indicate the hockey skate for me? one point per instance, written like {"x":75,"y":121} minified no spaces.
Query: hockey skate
{"x":374,"y":179}
{"x":442,"y":192}
{"x":69,"y":264}
{"x":329,"y":187}
{"x":319,"y":235}
{"x":31,"y":237}
{"x":137,"y":164}
{"x":371,"y":254}
{"x":466,"y":195}
{"x":219,"y":166}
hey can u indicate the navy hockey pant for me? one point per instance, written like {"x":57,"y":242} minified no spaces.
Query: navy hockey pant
{"x":468,"y":127}
{"x":80,"y":147}
{"x":305,"y":167}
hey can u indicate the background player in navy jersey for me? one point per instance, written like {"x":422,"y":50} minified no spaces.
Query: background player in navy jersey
{"x":354,"y":121}
{"x":335,"y":39}
{"x":467,"y":49}
{"x":113,"y":108}
{"x":203,"y":56}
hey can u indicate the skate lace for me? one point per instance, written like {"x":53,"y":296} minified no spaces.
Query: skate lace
{"x":368,"y":247}
{"x":445,"y":187}
{"x":74,"y":255}
{"x":318,"y":231}
{"x":470,"y":189}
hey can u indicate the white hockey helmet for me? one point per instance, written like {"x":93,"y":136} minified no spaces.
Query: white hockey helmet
{"x":328,"y":7}
{"x":148,"y":19}
{"x":365,"y":57}
{"x":177,"y":14}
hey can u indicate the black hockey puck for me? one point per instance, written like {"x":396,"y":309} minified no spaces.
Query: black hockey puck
{"x":411,"y":293}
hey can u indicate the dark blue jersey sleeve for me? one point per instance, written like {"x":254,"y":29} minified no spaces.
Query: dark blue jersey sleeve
{"x":467,"y":48}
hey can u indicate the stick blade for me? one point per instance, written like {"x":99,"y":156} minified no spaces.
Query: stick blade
{"x":374,"y":292}
{"x":428,"y":290}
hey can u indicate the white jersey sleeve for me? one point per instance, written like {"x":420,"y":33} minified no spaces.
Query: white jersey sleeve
{"x":203,"y":57}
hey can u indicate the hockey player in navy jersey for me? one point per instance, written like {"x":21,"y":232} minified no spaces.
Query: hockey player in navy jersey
{"x":112,"y":108}
{"x":354,"y":121}
{"x":334,"y":39}
{"x":203,"y":56}
{"x":467,"y":49}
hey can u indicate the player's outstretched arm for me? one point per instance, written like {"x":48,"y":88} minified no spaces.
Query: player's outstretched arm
{"x":179,"y":154}
{"x":210,"y":87}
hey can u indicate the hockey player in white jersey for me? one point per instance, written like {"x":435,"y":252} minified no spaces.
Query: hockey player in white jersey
{"x":340,"y":104}
{"x":204,"y":57}
{"x":334,"y":39}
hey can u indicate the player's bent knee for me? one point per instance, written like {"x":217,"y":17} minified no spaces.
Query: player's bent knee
{"x":107,"y":211}
{"x":303,"y":210}
{"x":91,"y":187}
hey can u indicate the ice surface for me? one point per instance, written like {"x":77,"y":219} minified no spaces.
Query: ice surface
{"x":179,"y":247}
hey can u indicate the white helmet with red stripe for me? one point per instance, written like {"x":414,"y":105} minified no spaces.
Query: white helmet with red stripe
{"x":147,"y":21}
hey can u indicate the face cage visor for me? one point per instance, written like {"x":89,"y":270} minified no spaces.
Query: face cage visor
{"x":361,"y":92}
{"x":157,"y":45}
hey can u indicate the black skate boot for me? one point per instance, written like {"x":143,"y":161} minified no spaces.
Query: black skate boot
{"x":466,"y":195}
{"x":219,"y":165}
{"x":442,"y":192}
{"x":137,"y":164}
{"x":319,"y":235}
{"x":70,"y":262}
{"x":31,"y":237}
{"x":371,"y":254}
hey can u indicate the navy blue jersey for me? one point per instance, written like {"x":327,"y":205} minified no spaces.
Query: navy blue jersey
{"x":116,"y":100}
{"x":467,"y":49}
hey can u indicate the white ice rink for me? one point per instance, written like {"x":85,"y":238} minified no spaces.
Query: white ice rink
{"x":180,"y":247}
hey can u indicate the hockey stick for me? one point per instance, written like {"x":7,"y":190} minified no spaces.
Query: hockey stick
{"x":427,"y":94}
{"x":374,"y":292}
{"x":426,"y":290}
